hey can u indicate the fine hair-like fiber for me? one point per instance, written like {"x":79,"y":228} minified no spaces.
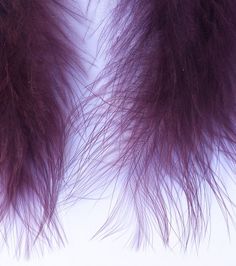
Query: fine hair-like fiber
{"x":168,"y":92}
{"x":36,"y":101}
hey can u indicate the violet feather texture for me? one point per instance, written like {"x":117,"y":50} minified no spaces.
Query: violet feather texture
{"x":168,"y":91}
{"x":38,"y":62}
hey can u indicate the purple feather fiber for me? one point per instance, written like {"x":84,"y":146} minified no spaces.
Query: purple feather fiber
{"x":169,"y":98}
{"x":37,"y":65}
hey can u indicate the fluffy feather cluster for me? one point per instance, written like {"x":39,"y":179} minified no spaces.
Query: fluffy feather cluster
{"x":170,"y":109}
{"x":36,"y":68}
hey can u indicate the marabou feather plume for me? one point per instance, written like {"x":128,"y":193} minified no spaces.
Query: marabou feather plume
{"x":169,"y":97}
{"x":36,"y":99}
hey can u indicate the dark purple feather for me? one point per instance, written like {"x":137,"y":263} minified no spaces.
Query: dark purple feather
{"x":169,"y":96}
{"x":38,"y":62}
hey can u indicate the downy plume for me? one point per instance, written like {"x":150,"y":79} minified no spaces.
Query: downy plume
{"x":38,"y":64}
{"x":166,"y":117}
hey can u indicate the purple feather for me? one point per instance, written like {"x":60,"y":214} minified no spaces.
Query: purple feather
{"x":169,"y":88}
{"x":36,"y":101}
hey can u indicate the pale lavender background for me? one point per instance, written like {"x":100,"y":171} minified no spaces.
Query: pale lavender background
{"x":81,"y":221}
